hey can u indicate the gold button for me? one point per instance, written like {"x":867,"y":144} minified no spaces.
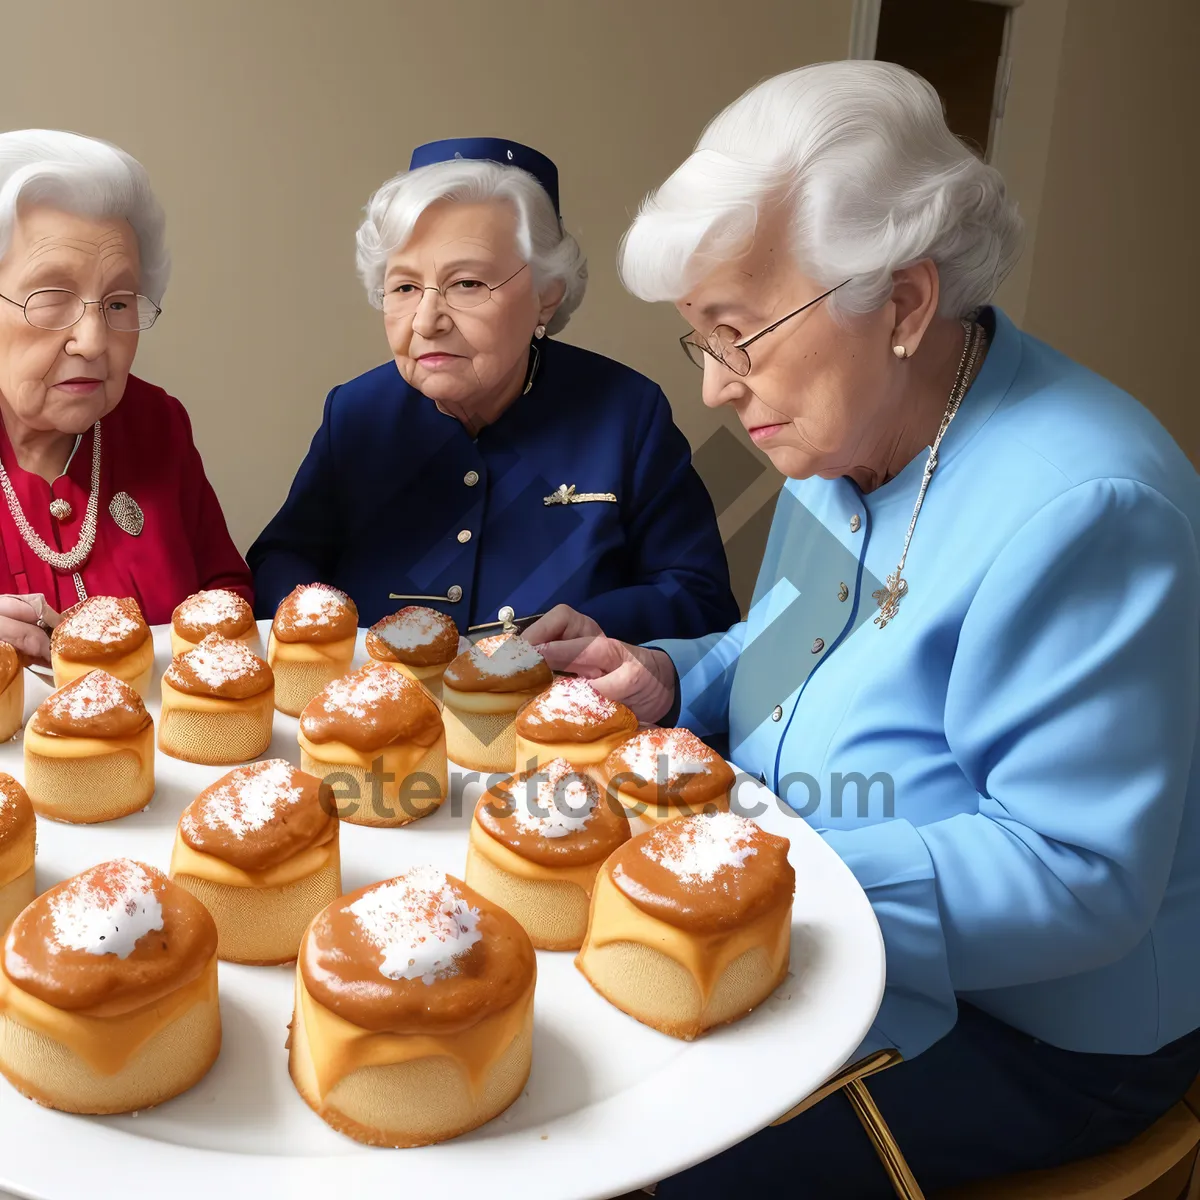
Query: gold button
{"x":777,"y":713}
{"x":855,"y":523}
{"x":818,"y":645}
{"x":454,"y":594}
{"x":471,"y":478}
{"x":506,"y":613}
{"x":843,"y":592}
{"x":464,"y":535}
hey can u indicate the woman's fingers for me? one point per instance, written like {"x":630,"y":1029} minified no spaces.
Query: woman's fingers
{"x":590,"y":657}
{"x":641,"y":682}
{"x":25,"y":637}
{"x":19,"y":608}
{"x":561,"y":623}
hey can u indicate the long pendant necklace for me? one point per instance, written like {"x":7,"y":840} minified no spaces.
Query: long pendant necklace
{"x":61,"y":560}
{"x":888,"y":597}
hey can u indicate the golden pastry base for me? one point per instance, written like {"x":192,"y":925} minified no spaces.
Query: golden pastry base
{"x":677,"y":982}
{"x":643,"y":816}
{"x":366,"y":796}
{"x":87,"y":780}
{"x":533,"y":755}
{"x":159,"y":1051}
{"x":302,"y":669}
{"x":550,"y":905}
{"x":260,"y":925}
{"x":12,"y":707}
{"x":479,"y":728}
{"x":386,"y":1089}
{"x":135,"y":668}
{"x":213,"y":730}
{"x":15,"y":895}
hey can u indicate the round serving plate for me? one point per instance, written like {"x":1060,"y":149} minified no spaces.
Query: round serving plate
{"x":610,"y":1105}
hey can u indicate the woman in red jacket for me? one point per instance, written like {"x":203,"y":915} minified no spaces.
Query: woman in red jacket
{"x":103,"y":489}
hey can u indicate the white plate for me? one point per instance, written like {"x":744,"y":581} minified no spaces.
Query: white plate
{"x":610,"y":1105}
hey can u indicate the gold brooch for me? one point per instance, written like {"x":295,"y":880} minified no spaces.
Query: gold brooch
{"x":888,"y":598}
{"x":127,"y":513}
{"x":566,"y":494}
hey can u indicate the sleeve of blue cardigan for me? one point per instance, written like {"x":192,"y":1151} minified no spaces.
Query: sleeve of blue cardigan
{"x":1072,"y":710}
{"x":705,"y":668}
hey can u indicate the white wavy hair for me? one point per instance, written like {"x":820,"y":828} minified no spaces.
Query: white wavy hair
{"x":551,"y":252}
{"x":90,"y":178}
{"x":875,"y":181}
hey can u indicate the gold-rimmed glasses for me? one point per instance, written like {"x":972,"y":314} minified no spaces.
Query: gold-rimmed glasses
{"x":404,"y":297}
{"x":60,"y":308}
{"x":725,"y":347}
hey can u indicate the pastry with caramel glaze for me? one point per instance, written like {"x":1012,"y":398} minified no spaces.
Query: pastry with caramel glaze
{"x":108,"y":992}
{"x":376,"y":738}
{"x":421,"y":642}
{"x":104,"y":632}
{"x":218,"y":704}
{"x":12,"y":692}
{"x":218,"y":611}
{"x":89,"y":751}
{"x":414,"y":1011}
{"x":691,"y":923}
{"x":311,"y":643}
{"x":259,"y":849}
{"x":18,"y":841}
{"x":536,"y":844}
{"x":570,"y":720}
{"x":481,"y":692}
{"x":660,"y":774}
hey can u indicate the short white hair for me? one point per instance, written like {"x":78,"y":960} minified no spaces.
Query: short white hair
{"x":90,"y":178}
{"x":873,"y":179}
{"x":552,"y":253}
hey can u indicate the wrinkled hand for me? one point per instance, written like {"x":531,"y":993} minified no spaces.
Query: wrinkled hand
{"x":19,"y":617}
{"x":642,"y":679}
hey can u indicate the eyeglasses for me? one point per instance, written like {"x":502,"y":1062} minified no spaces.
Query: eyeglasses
{"x":401,"y":299}
{"x":722,"y":343}
{"x":58,"y":308}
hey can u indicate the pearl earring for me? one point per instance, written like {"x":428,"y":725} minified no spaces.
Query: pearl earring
{"x":899,"y":352}
{"x":540,"y":331}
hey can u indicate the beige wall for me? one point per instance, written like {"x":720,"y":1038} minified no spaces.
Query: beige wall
{"x":266,"y":125}
{"x":1112,"y":275}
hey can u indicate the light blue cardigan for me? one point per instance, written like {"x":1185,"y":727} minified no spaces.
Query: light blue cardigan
{"x":1034,"y":704}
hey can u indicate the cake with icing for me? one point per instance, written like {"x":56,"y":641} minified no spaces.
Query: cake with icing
{"x":690,"y":923}
{"x":536,"y":844}
{"x":311,"y":643}
{"x":259,"y":848}
{"x":89,"y":751}
{"x":108,"y":992}
{"x":413,"y":1020}
{"x":18,"y":842}
{"x":376,"y":738}
{"x":482,"y":690}
{"x":420,"y":642}
{"x":12,"y":692}
{"x":217,"y":610}
{"x":106,"y":632}
{"x":218,"y":704}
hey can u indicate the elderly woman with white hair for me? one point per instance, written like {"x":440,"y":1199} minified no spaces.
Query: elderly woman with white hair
{"x":979,"y":608}
{"x":490,"y":470}
{"x":104,"y":491}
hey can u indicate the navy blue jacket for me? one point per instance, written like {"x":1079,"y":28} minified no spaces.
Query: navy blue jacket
{"x":396,"y":503}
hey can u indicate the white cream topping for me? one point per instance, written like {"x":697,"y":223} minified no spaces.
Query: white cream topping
{"x":247,"y":798}
{"x":107,"y":909}
{"x":695,"y":848}
{"x":554,"y":802}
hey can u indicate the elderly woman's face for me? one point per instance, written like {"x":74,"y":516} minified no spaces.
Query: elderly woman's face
{"x":65,"y":380}
{"x":817,"y":391}
{"x":461,"y":355}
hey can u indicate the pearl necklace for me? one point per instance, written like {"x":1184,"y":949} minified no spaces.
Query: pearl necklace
{"x":60,"y":560}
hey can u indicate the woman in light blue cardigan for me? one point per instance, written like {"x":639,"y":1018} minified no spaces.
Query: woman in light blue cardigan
{"x":973,"y":657}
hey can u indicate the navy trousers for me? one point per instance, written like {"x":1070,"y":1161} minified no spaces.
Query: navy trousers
{"x":986,"y":1100}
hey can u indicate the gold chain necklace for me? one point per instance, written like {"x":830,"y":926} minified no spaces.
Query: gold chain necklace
{"x":61,"y":560}
{"x":888,"y":598}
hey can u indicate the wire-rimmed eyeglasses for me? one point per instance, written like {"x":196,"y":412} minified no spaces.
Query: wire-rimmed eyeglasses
{"x":404,"y":297}
{"x":60,"y":308}
{"x":722,"y":343}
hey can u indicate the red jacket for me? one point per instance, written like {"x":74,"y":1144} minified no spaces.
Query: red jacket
{"x":147,"y":452}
